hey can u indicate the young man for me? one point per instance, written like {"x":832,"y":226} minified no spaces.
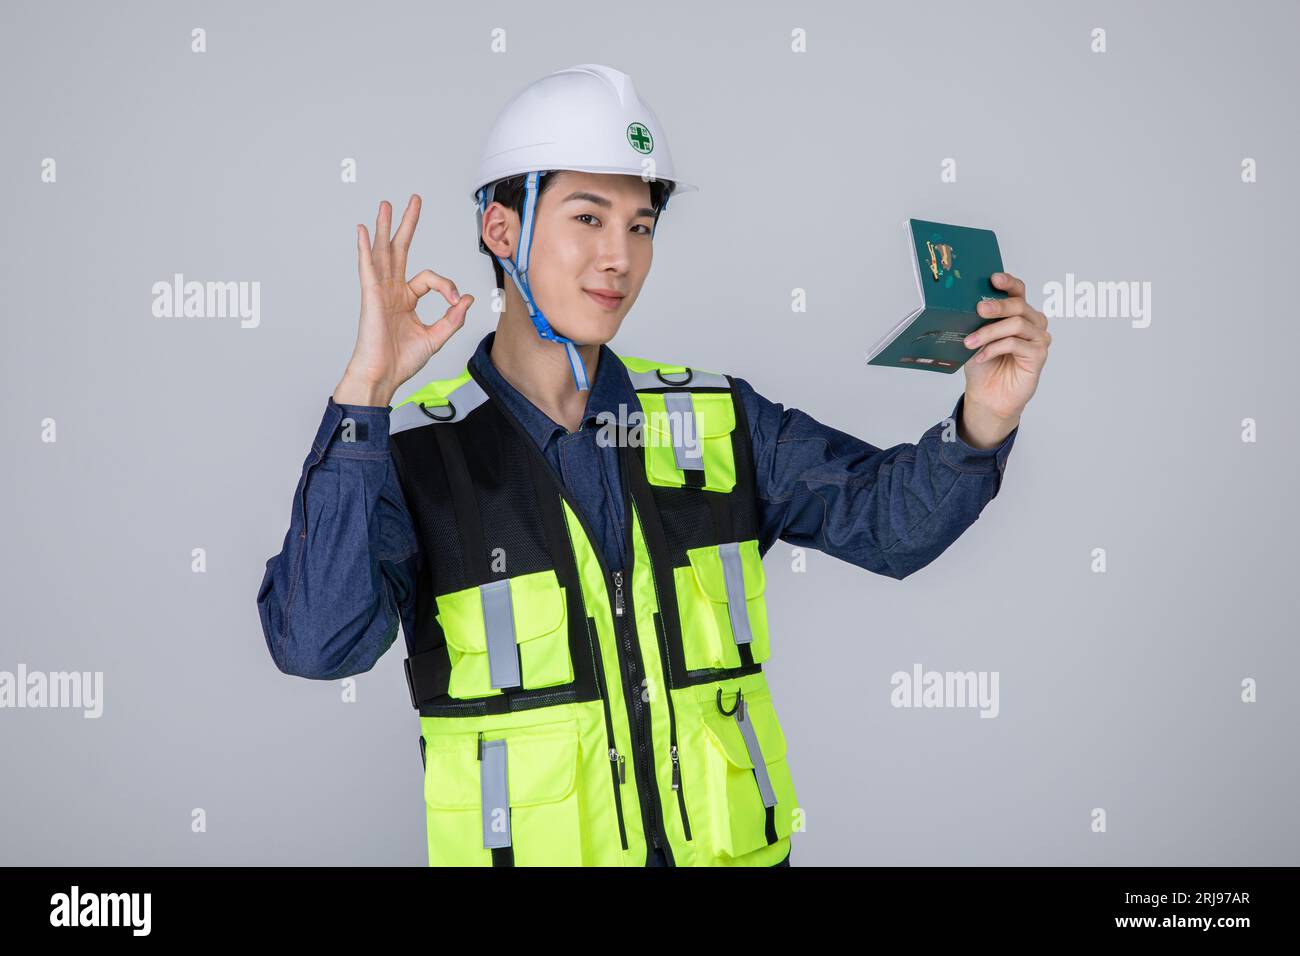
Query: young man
{"x":582,"y":599}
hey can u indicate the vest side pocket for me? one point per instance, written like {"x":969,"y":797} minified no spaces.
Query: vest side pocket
{"x":538,"y":615}
{"x":742,"y":820}
{"x":714,"y":420}
{"x":712,"y":629}
{"x":540,"y":824}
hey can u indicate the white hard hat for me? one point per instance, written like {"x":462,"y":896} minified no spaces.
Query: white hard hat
{"x":585,"y":118}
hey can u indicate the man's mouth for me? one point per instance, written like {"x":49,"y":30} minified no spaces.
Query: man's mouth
{"x":605,"y":298}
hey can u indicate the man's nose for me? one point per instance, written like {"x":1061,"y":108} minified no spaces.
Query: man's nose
{"x":614,"y":252}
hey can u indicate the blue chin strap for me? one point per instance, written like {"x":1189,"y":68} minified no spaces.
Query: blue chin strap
{"x":519,"y":271}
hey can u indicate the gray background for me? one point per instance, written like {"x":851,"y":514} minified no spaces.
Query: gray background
{"x":1118,"y":690}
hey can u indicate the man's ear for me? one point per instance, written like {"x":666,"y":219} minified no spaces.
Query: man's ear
{"x":500,"y":230}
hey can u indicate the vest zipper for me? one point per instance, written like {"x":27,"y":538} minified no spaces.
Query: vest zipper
{"x":672,"y":728}
{"x":621,"y":603}
{"x":615,"y":597}
{"x":651,"y":780}
{"x":662,"y":642}
{"x":617,"y":763}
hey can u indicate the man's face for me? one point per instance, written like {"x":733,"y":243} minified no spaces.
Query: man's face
{"x":591,"y":235}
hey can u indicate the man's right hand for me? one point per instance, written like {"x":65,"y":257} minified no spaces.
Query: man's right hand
{"x":392,"y":342}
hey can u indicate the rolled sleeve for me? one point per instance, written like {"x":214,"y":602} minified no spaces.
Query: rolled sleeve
{"x":352,"y":431}
{"x":957,"y":453}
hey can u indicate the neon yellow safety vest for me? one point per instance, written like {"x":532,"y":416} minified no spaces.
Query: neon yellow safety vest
{"x":573,"y":714}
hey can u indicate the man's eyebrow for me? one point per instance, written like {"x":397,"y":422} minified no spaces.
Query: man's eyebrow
{"x":605,"y":203}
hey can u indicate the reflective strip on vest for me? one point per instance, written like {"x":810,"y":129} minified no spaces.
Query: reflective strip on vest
{"x":755,"y":754}
{"x":733,"y":574}
{"x":682,"y":423}
{"x":495,"y":794}
{"x":499,"y":620}
{"x":696,"y":379}
{"x":460,"y":402}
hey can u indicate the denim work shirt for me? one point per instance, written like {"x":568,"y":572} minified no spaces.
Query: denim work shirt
{"x":331,"y":600}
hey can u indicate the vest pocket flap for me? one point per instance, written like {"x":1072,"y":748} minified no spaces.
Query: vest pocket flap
{"x":727,"y":734}
{"x":541,"y":767}
{"x":715,"y":415}
{"x":705,"y":458}
{"x":537,"y":609}
{"x":710,"y":574}
{"x":539,"y":603}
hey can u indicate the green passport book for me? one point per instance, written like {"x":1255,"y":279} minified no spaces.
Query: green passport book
{"x":953,"y":267}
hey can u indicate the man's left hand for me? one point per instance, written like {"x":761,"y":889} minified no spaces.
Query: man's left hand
{"x":1003,"y":375}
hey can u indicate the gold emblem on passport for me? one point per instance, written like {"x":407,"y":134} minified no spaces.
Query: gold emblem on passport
{"x":941,"y":256}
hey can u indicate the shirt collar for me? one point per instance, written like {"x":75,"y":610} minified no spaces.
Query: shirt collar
{"x":611,"y":388}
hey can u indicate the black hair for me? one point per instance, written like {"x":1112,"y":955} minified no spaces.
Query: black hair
{"x":510,"y":192}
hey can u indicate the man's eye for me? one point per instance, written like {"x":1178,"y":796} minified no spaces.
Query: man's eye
{"x":583,"y":216}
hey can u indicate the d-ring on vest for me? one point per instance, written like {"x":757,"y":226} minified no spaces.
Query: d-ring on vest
{"x":572,"y":713}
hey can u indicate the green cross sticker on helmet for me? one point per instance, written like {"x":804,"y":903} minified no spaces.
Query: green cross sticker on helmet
{"x":640,"y":138}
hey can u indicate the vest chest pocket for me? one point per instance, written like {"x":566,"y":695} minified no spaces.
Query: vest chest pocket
{"x":687,"y":438}
{"x":750,"y":793}
{"x":721,"y":606}
{"x":515,"y":788}
{"x":507,"y":634}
